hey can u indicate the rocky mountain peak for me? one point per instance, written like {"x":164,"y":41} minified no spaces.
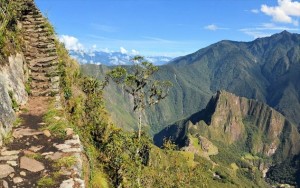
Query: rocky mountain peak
{"x":237,"y":120}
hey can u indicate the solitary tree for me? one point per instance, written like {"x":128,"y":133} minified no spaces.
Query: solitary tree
{"x":139,"y":83}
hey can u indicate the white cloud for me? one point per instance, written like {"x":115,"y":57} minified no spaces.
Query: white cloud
{"x":123,"y":50}
{"x":256,"y":34}
{"x":255,"y":11}
{"x":92,"y":54}
{"x":266,"y":29}
{"x":286,"y":12}
{"x":211,"y":27}
{"x":214,"y":27}
{"x":71,"y":43}
{"x":106,"y":50}
{"x":134,"y":52}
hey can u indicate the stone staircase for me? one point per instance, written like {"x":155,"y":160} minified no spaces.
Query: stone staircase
{"x":35,"y":157}
{"x":40,"y":51}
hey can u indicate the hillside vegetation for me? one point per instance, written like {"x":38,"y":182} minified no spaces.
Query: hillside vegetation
{"x":10,"y":40}
{"x":237,"y":130}
{"x":112,"y":151}
{"x":196,"y":160}
{"x":266,"y":69}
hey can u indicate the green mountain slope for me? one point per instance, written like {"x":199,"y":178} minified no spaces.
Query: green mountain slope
{"x":253,"y":131}
{"x":266,"y":69}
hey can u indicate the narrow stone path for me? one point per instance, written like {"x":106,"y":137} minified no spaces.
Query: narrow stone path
{"x":40,"y":51}
{"x":35,"y":157}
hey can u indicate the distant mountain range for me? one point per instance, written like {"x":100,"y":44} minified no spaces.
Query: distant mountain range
{"x":113,"y":58}
{"x":266,"y":69}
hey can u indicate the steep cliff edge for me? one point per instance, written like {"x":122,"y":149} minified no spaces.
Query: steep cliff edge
{"x":231,"y":120}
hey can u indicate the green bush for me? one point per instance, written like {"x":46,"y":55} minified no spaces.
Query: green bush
{"x":15,"y":105}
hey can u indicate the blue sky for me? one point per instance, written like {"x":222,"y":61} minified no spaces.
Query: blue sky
{"x":166,"y":27}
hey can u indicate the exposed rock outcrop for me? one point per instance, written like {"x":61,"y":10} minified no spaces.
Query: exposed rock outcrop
{"x":230,"y":119}
{"x":13,"y":78}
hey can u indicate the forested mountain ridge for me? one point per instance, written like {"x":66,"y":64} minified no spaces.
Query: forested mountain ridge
{"x":266,"y":69}
{"x":256,"y":133}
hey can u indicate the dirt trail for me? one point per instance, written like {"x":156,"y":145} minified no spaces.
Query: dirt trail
{"x":37,"y":107}
{"x":31,"y":159}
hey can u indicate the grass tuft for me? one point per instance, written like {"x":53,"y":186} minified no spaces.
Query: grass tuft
{"x":18,"y":122}
{"x":8,"y":138}
{"x":54,"y":123}
{"x":99,"y":180}
{"x":66,"y":162}
{"x":36,"y":156}
{"x":46,"y":182}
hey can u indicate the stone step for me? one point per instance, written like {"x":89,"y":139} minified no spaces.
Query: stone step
{"x":50,"y":71}
{"x":30,"y":41}
{"x":33,"y":20}
{"x":33,"y":16}
{"x":47,"y":64}
{"x":36,"y":22}
{"x":26,"y":24}
{"x":39,"y":19}
{"x":39,"y":39}
{"x":39,"y":78}
{"x":33,"y":26}
{"x":44,"y":92}
{"x":31,"y":55}
{"x":40,"y":85}
{"x":37,"y":35}
{"x":33,"y":12}
{"x":39,"y":43}
{"x":47,"y":50}
{"x":39,"y":30}
{"x":33,"y":34}
{"x":34,"y":42}
{"x":44,"y":60}
{"x":42,"y":45}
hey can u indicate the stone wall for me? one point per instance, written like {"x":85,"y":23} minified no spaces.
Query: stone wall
{"x":13,"y":77}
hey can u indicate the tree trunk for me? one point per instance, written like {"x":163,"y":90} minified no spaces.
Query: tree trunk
{"x":140,"y":125}
{"x":138,"y":148}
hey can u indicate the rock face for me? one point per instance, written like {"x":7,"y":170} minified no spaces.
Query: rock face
{"x":236,"y":120}
{"x":12,"y":82}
